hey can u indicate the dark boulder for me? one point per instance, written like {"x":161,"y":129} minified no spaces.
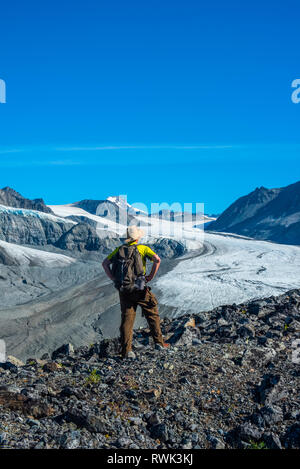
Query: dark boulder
{"x":89,"y":421}
{"x":106,"y":348}
{"x":64,"y":350}
{"x":268,"y":390}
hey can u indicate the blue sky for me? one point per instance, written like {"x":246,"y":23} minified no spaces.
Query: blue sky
{"x":165,"y":101}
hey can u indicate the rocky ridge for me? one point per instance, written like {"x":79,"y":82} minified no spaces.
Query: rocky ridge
{"x":230,"y":380}
{"x":11,"y":198}
{"x":269,"y":214}
{"x":31,"y":227}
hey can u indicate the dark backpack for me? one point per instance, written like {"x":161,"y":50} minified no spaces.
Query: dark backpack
{"x":128,"y":269}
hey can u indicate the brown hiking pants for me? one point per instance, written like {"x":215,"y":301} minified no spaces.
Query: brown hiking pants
{"x":129,"y":302}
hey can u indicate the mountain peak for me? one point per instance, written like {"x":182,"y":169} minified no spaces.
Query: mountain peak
{"x":261,"y":189}
{"x":10,"y":190}
{"x":270,"y":214}
{"x":11,"y":198}
{"x":119,"y":200}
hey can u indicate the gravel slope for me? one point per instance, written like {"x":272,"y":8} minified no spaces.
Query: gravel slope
{"x":230,"y":380}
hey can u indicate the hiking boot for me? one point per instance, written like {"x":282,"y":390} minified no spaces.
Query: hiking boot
{"x":130,"y":354}
{"x":162,"y":347}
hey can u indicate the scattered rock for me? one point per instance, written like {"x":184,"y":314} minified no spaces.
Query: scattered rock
{"x":51,"y":367}
{"x":153,"y":393}
{"x":107,"y":348}
{"x":249,"y":432}
{"x":64,"y":350}
{"x":25,"y":405}
{"x":91,"y":422}
{"x":124,"y":442}
{"x":292,"y":437}
{"x":69,"y":440}
{"x":9,"y":366}
{"x":271,"y":414}
{"x":268,"y":389}
{"x":15,"y":361}
{"x":272,"y":441}
{"x":215,"y":443}
{"x":160,"y":432}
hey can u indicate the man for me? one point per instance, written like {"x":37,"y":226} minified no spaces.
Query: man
{"x":129,"y":300}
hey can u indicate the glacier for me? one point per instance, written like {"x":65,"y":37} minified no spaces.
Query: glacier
{"x":25,"y":256}
{"x":24,"y":212}
{"x":231,"y":269}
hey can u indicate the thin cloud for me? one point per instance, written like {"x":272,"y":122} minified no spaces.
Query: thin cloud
{"x":63,"y":163}
{"x":144,"y":147}
{"x":5,"y":151}
{"x":30,"y":163}
{"x":67,"y":155}
{"x":95,"y":148}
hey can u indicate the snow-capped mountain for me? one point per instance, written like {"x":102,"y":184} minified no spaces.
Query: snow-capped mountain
{"x":122,"y":203}
{"x":112,"y":207}
{"x":269,"y":214}
{"x":23,"y":226}
{"x":73,"y":211}
{"x":154,"y":228}
{"x":180,"y":216}
{"x":61,"y":282}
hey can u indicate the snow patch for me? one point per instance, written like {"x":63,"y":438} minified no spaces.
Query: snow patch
{"x":32,"y":213}
{"x":35,"y":257}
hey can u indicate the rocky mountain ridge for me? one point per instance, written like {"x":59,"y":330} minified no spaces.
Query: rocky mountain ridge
{"x":77,"y":234}
{"x":31,"y":227}
{"x":11,"y":198}
{"x":268,"y":214}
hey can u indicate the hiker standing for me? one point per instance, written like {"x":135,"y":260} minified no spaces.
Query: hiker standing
{"x":126,"y":267}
